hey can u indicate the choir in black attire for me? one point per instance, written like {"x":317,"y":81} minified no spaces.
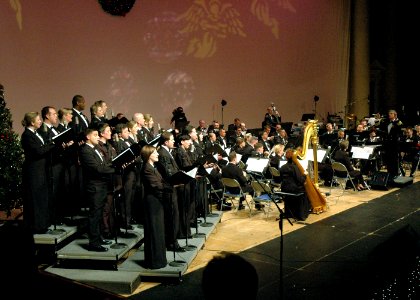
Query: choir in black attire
{"x":155,"y":195}
{"x":34,"y":175}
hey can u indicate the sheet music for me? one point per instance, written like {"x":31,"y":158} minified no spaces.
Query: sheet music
{"x":208,"y":170}
{"x":192,"y":172}
{"x":238,"y":157}
{"x":256,"y":164}
{"x":282,"y":163}
{"x":320,"y":153}
{"x":362,"y":152}
{"x":304,"y":163}
{"x":227,"y":150}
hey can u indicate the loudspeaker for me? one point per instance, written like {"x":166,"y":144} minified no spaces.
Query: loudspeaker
{"x":380,"y":181}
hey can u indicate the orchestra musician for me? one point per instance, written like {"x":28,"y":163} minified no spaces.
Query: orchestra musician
{"x":409,"y":150}
{"x":292,"y":181}
{"x":231,"y":170}
{"x":271,"y":118}
{"x":342,"y":156}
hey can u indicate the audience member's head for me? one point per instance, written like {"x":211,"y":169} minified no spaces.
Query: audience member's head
{"x":229,"y":267}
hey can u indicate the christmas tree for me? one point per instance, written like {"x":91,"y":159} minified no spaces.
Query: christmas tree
{"x":11,"y":161}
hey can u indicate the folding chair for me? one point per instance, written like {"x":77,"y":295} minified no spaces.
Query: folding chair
{"x":274,"y":173}
{"x":341,"y":175}
{"x":264,"y":194}
{"x":229,"y":184}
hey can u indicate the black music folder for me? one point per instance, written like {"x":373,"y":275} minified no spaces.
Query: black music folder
{"x":125,"y":157}
{"x":63,"y":137}
{"x":216,"y":148}
{"x":155,"y":141}
{"x":209,"y":158}
{"x":136,"y":148}
{"x":182,"y":177}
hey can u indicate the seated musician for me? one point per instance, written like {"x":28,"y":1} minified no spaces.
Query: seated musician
{"x":359,"y":137}
{"x":374,"y":138}
{"x":278,"y":151}
{"x":341,"y":136}
{"x":342,"y":156}
{"x":259,"y":151}
{"x":231,"y":170}
{"x":293,"y":182}
{"x":243,"y":149}
{"x":410,"y":151}
{"x":327,"y":138}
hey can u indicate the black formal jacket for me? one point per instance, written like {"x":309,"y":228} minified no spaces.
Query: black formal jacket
{"x":78,"y":125}
{"x":343,"y":157}
{"x":166,"y":165}
{"x":95,"y":169}
{"x":234,"y":172}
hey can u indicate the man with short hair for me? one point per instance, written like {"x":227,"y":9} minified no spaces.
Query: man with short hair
{"x":231,"y":170}
{"x":96,"y":175}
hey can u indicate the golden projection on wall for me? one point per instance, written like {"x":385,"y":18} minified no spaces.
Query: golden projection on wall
{"x":17,"y":7}
{"x":211,"y":20}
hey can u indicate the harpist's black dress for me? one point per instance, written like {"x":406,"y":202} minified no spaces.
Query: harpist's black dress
{"x":292,"y":182}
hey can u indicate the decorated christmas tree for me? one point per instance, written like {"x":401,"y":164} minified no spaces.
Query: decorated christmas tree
{"x":11,"y":159}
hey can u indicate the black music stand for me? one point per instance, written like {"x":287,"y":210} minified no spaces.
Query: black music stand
{"x":117,"y":194}
{"x":187,"y":247}
{"x":175,"y":263}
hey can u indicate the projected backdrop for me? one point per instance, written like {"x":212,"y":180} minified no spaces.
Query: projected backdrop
{"x":165,"y":54}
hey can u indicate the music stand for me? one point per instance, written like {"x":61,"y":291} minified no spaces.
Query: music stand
{"x":204,"y":204}
{"x":175,"y":263}
{"x":117,"y":245}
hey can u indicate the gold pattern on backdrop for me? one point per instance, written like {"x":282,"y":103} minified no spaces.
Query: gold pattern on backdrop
{"x":17,"y":7}
{"x":261,"y":9}
{"x":210,"y":20}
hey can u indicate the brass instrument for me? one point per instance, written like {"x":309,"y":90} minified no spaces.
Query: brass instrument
{"x":317,"y":199}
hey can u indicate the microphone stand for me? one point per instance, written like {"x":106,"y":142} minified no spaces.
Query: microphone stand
{"x":281,"y":218}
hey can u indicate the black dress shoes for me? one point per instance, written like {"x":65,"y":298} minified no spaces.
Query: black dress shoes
{"x":259,"y":206}
{"x":105,"y":242}
{"x":97,"y":248}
